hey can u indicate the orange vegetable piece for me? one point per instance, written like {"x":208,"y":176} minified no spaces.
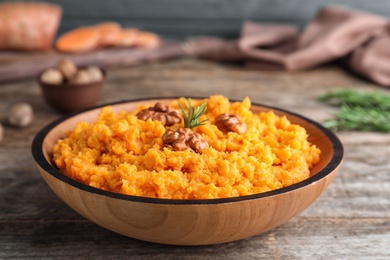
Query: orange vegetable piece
{"x":127,"y":37}
{"x":28,"y":25}
{"x":147,"y":40}
{"x":109,"y":33}
{"x":79,"y":40}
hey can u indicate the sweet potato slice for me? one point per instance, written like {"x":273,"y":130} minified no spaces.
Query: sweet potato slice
{"x":82,"y":39}
{"x":28,"y":26}
{"x":109,"y":33}
{"x":147,"y":40}
{"x":127,"y":37}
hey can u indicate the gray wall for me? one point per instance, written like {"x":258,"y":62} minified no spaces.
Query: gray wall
{"x":181,"y":18}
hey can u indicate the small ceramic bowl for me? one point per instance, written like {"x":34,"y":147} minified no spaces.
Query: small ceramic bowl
{"x":187,"y":222}
{"x":69,"y":97}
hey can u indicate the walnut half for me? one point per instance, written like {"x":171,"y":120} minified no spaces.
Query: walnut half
{"x":230,"y":123}
{"x":185,"y":138}
{"x":161,"y":113}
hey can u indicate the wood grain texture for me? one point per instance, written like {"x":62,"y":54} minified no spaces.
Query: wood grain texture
{"x":350,"y":220}
{"x":184,"y":18}
{"x":28,"y":65}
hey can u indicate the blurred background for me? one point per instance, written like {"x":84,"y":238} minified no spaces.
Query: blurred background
{"x":140,"y":26}
{"x":184,"y":18}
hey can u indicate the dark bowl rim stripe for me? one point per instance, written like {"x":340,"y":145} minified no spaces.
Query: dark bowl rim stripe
{"x":37,"y":152}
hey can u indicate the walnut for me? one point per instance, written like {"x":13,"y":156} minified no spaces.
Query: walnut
{"x":183,"y":139}
{"x":197,"y":143}
{"x":81,"y":77}
{"x":67,"y":68}
{"x":95,"y":73}
{"x":230,"y":123}
{"x":20,"y":114}
{"x":52,"y":76}
{"x":161,"y":113}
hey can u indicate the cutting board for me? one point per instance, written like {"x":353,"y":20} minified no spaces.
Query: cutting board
{"x":16,"y":65}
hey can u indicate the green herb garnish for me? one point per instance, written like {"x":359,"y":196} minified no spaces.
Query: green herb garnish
{"x":191,"y":119}
{"x":363,"y":111}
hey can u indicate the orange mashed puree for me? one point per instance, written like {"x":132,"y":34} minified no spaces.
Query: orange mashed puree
{"x":123,"y":154}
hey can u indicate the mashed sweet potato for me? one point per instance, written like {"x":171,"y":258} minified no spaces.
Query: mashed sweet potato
{"x":123,"y":154}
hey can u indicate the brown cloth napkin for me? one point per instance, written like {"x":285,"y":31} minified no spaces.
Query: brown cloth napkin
{"x":361,"y":39}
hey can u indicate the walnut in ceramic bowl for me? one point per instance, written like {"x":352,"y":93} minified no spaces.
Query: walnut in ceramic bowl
{"x":68,"y":88}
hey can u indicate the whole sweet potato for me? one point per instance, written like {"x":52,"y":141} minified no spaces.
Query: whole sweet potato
{"x":28,"y":25}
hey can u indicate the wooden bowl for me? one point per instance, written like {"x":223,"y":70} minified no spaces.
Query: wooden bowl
{"x":70,"y":97}
{"x":187,"y":222}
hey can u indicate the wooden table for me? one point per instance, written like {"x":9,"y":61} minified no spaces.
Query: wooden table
{"x":350,"y":220}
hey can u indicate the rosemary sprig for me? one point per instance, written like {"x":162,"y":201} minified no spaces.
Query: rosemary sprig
{"x":358,"y":98}
{"x":363,"y":111}
{"x":191,"y":118}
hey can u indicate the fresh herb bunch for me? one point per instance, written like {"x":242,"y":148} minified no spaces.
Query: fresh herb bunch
{"x":364,"y":111}
{"x":191,"y":119}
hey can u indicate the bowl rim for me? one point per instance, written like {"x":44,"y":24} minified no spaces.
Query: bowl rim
{"x":38,"y":155}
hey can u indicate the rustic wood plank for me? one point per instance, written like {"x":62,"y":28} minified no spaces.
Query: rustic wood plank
{"x":210,"y":9}
{"x":30,"y":65}
{"x":177,"y":18}
{"x":301,"y":238}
